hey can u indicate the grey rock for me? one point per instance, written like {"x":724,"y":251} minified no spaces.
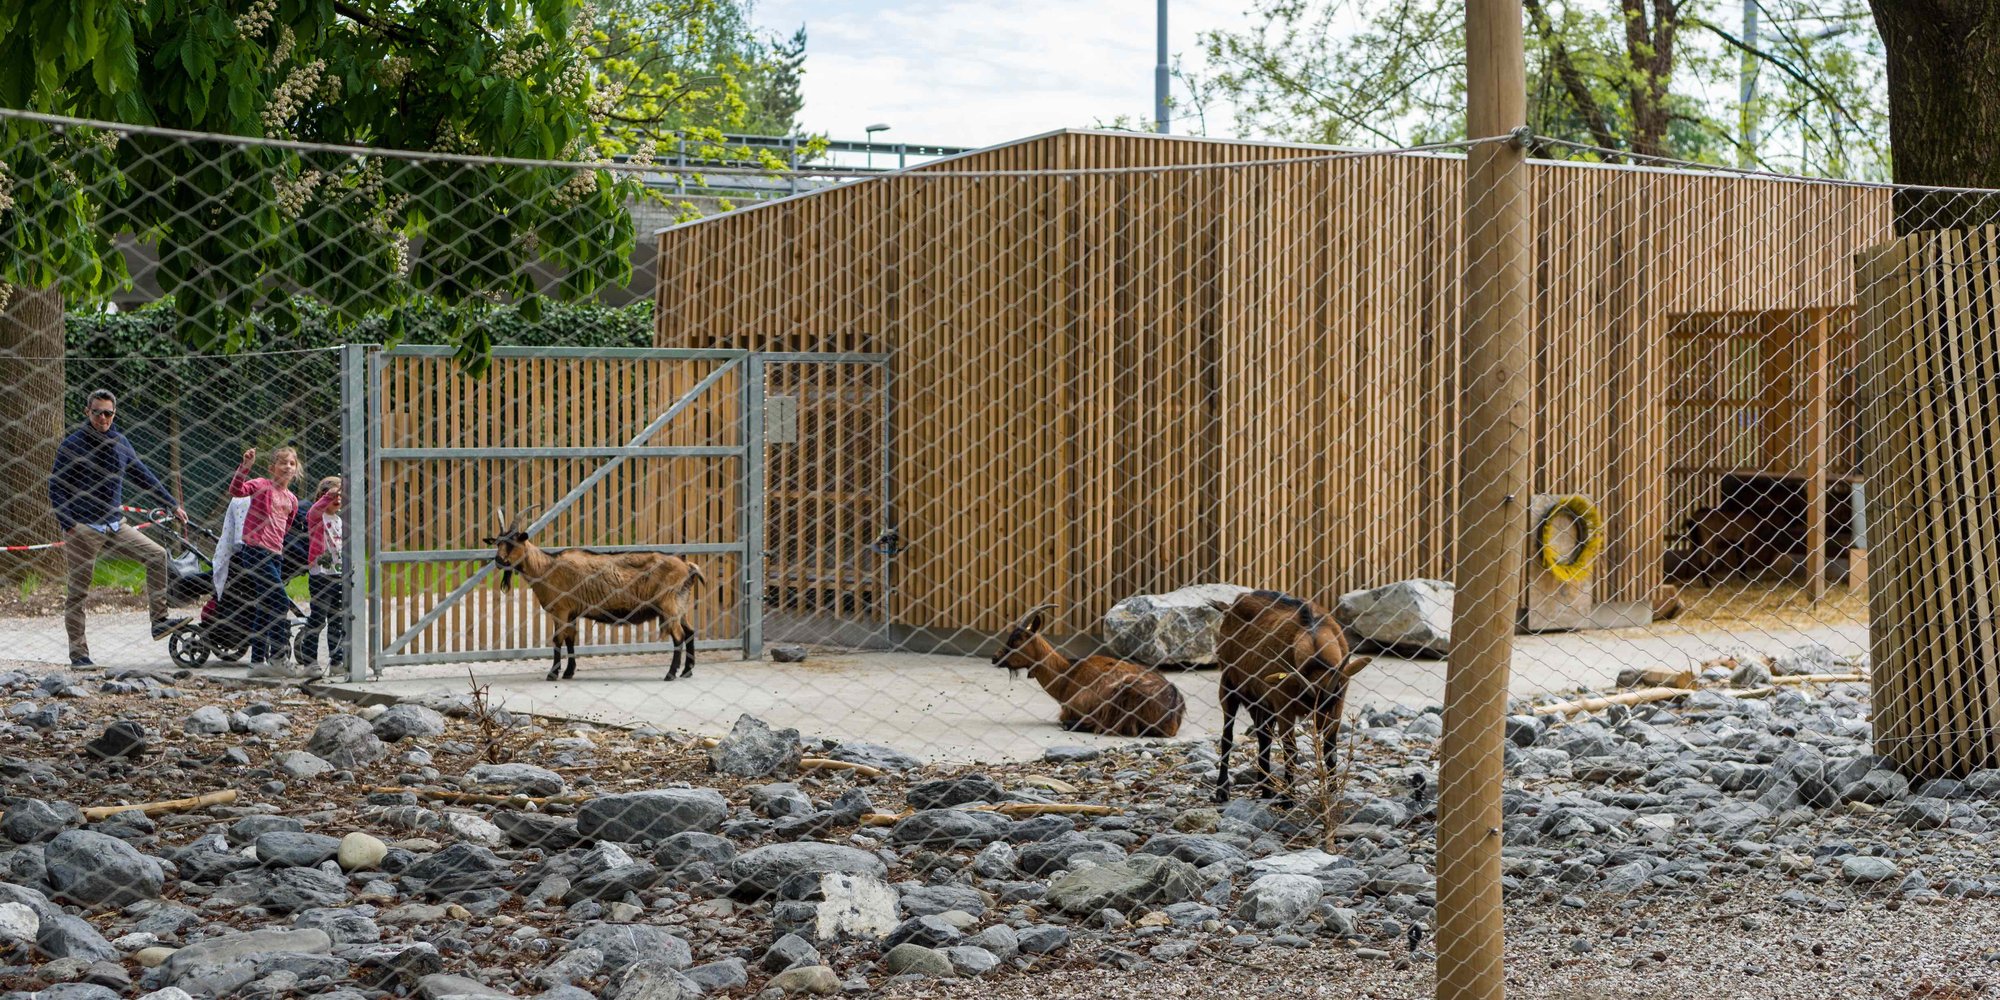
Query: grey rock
{"x":929,"y":900}
{"x":1043,"y":939}
{"x":999,"y":939}
{"x":788,"y":952}
{"x":997,"y":860}
{"x":1279,"y":900}
{"x":758,"y":873}
{"x":342,"y":927}
{"x":532,"y":829}
{"x":624,"y":944}
{"x":1410,"y":616}
{"x":950,"y":828}
{"x":1630,"y":877}
{"x":1197,"y":851}
{"x":575,"y":964}
{"x":1809,"y":659}
{"x":516,"y":779}
{"x":245,"y":831}
{"x":943,"y":793}
{"x":971,"y":960}
{"x":1175,"y":627}
{"x":875,"y":755}
{"x":931,"y":932}
{"x":754,"y":750}
{"x":817,"y":980}
{"x":651,"y":816}
{"x":458,"y":859}
{"x":299,"y":765}
{"x":1983,"y":784}
{"x":346,"y":741}
{"x":92,"y":869}
{"x":209,"y":720}
{"x":1925,"y":814}
{"x":779,"y":800}
{"x":616,"y":883}
{"x":788,"y":653}
{"x":1877,"y":787}
{"x":1044,"y":858}
{"x":917,"y":960}
{"x":442,"y":986}
{"x":1731,"y":819}
{"x":1142,"y":880}
{"x":295,"y":850}
{"x":684,"y":849}
{"x":654,"y":979}
{"x":727,"y":974}
{"x":32,"y":821}
{"x":1071,"y":755}
{"x":123,"y":738}
{"x":408,"y":721}
{"x":1409,"y":879}
{"x":64,"y":936}
{"x":383,"y":966}
{"x":286,"y":890}
{"x":243,"y":945}
{"x":1868,"y":870}
{"x":76,"y":991}
{"x":1751,"y":673}
{"x":1524,"y":730}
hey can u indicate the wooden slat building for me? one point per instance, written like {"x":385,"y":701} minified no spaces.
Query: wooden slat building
{"x":1110,"y":382}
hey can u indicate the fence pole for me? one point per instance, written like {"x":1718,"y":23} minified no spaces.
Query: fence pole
{"x":1493,"y":485}
{"x":358,"y":509}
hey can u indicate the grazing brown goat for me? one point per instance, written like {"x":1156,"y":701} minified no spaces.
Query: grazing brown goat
{"x":1285,"y":660}
{"x":617,"y":588}
{"x":1098,"y":694}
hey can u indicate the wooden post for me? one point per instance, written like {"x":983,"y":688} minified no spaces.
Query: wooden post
{"x":1817,"y":386}
{"x":1494,"y":471}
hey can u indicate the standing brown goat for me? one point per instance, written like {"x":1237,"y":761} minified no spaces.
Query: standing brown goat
{"x":1097,"y":693}
{"x":617,"y":588}
{"x":1285,"y":660}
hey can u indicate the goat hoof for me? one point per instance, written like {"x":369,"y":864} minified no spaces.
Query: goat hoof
{"x":1222,"y":794}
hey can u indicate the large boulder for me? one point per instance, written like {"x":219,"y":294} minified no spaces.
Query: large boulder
{"x":760,"y":872}
{"x":754,"y":750}
{"x":1141,"y":880}
{"x":652,"y":816}
{"x":346,"y":741}
{"x":93,"y":869}
{"x":1413,"y":616}
{"x":1175,"y":627}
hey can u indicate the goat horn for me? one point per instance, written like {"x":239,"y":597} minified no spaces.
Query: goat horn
{"x":500,"y":516}
{"x":1038,"y":608}
{"x":528,"y":518}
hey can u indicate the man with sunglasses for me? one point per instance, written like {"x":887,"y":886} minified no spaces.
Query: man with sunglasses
{"x":87,"y":490}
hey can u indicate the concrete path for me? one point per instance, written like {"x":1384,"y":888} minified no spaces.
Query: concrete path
{"x":936,"y":707}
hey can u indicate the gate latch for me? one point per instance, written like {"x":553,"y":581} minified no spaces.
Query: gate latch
{"x":889,"y":542}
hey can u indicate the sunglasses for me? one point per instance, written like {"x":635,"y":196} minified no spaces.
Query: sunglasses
{"x":95,"y":412}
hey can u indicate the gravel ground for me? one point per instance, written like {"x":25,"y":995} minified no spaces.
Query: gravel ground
{"x":1723,"y":846}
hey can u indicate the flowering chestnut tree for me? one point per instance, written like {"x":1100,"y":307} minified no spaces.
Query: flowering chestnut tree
{"x":240,"y":227}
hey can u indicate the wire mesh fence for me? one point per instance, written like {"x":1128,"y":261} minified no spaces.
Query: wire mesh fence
{"x":706,"y":642}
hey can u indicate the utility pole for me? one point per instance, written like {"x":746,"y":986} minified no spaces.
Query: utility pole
{"x":1746,"y":95}
{"x":1162,"y":120}
{"x":1494,"y":427}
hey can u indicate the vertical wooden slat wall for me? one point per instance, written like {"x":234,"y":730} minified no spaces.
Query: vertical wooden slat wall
{"x":1929,"y":319}
{"x":1114,"y":383}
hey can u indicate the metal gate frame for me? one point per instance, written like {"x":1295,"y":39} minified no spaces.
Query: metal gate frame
{"x":362,"y":454}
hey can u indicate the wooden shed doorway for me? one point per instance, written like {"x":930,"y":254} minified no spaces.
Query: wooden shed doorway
{"x":1760,"y":425}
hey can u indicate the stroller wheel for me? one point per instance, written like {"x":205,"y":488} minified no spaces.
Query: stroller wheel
{"x":188,"y":648}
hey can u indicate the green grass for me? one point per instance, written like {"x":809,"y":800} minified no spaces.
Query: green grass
{"x":129,"y":576}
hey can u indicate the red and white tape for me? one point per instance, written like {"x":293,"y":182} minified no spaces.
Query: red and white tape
{"x":158,"y":515}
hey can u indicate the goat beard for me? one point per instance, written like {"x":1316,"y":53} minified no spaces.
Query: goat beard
{"x":507,"y":579}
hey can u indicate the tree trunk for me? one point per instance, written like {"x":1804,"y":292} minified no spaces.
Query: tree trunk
{"x":1944,"y":108}
{"x":31,"y":351}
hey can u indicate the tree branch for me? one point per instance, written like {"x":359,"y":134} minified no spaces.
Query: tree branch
{"x":1783,"y":66}
{"x":1572,"y":79}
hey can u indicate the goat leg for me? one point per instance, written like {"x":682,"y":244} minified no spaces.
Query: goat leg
{"x":571,"y":672}
{"x":687,"y":649}
{"x":674,"y":658}
{"x":555,"y":668}
{"x":1228,"y":741}
{"x":1266,"y":779}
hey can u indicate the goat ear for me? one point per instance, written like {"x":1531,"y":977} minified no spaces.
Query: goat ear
{"x":1035,"y":620}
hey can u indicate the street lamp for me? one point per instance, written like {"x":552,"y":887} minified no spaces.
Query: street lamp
{"x":871,"y":130}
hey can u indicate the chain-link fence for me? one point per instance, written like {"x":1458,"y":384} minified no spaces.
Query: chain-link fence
{"x":1034,"y":568}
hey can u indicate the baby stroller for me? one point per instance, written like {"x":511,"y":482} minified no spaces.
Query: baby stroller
{"x":222,"y":629}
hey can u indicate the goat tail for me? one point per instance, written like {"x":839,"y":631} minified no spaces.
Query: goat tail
{"x":695,"y":579}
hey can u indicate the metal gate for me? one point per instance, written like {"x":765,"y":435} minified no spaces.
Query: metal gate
{"x":623,"y":450}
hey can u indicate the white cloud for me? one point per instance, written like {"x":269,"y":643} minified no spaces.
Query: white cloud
{"x":968,"y":73}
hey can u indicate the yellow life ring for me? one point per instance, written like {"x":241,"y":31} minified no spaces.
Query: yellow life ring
{"x":1574,"y":565}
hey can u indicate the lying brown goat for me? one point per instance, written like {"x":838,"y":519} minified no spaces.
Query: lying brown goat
{"x":1286,"y":660}
{"x":1097,"y":693}
{"x":617,"y":588}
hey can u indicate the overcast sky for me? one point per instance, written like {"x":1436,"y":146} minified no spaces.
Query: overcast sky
{"x":976,"y":72}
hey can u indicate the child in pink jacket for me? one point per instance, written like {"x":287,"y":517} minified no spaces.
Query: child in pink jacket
{"x":261,"y":559}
